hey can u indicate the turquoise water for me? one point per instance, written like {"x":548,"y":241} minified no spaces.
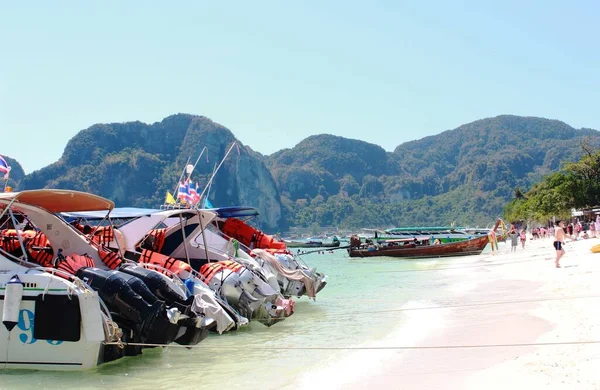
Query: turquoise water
{"x":340,"y":317}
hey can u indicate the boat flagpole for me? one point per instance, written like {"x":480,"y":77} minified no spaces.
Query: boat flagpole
{"x":180,"y":178}
{"x":216,"y":170}
{"x":196,"y":163}
{"x":210,"y":185}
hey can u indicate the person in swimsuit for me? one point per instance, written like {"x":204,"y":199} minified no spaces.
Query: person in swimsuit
{"x":523,"y":236}
{"x":559,"y":242}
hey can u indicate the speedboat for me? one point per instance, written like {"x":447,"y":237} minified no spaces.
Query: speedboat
{"x":51,"y":320}
{"x":137,"y":308}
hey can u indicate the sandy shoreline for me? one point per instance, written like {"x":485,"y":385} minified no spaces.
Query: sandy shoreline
{"x":560,"y":307}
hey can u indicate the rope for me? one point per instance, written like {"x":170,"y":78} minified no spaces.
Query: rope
{"x":468,"y":305}
{"x":373,"y":348}
{"x":467,"y":266}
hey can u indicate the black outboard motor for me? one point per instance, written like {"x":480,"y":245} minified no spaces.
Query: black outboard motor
{"x":132,"y":304}
{"x":197,"y":327}
{"x":159,"y":287}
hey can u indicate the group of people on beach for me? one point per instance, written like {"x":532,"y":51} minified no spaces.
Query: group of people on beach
{"x":574,"y":230}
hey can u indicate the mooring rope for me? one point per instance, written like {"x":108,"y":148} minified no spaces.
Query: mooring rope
{"x":472,"y":304}
{"x":359,"y":348}
{"x":467,"y":266}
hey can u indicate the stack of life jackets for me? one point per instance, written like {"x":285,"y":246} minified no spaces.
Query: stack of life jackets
{"x":178,"y":267}
{"x":35,"y":242}
{"x":40,"y":251}
{"x":251,"y":237}
{"x":209,"y":270}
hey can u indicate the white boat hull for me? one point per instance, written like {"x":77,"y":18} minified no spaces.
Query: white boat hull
{"x":19,"y":349}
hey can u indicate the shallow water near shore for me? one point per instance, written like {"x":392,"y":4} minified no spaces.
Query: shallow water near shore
{"x":265,"y":358}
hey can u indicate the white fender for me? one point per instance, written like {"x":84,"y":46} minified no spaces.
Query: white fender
{"x":12,"y":303}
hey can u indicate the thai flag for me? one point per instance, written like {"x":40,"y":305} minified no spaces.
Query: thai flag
{"x":183,"y":192}
{"x":194,"y":197}
{"x":4,"y":168}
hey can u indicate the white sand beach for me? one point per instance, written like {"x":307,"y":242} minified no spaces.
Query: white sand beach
{"x":526,"y":300}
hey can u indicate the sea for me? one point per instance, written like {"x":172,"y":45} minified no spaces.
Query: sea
{"x":361,"y":304}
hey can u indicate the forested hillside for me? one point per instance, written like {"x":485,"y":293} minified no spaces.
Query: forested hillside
{"x":134,"y":164}
{"x":464,"y":176}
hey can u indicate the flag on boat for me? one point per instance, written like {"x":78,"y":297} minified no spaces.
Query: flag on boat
{"x":183,"y":193}
{"x":193,"y":192}
{"x":169,"y":199}
{"x":207,"y":204}
{"x":4,"y":168}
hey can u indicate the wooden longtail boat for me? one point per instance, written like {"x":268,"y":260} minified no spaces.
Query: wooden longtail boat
{"x":420,"y":247}
{"x":473,"y":246}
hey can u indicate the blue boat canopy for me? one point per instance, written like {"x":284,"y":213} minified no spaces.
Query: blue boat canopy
{"x":235,"y":212}
{"x":134,"y":212}
{"x":121,"y":212}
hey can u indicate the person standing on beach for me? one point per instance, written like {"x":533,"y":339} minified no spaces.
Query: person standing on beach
{"x":559,"y":242}
{"x":523,"y":238}
{"x":514,"y":240}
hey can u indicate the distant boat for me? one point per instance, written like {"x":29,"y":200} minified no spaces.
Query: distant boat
{"x":420,"y":247}
{"x":444,"y":234}
{"x":313,"y":244}
{"x":413,"y":248}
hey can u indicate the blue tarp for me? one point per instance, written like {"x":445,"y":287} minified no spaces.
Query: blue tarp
{"x":134,"y":212}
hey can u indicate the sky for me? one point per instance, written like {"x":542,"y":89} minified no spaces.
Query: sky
{"x":275,"y":72}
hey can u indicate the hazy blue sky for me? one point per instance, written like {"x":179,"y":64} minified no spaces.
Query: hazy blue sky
{"x":275,"y":72}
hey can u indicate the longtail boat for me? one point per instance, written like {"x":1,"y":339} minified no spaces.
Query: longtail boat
{"x":313,"y":244}
{"x":421,"y":247}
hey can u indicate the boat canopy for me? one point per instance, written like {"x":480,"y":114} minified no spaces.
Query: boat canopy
{"x":119,"y":212}
{"x":57,"y":201}
{"x":235,"y":212}
{"x":425,"y":228}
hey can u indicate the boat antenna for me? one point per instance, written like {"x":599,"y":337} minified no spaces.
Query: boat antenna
{"x":217,"y":169}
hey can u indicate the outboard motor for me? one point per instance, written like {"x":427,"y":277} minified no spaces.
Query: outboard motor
{"x":207,"y":301}
{"x":196,"y":327}
{"x":240,"y":287}
{"x":133,"y":305}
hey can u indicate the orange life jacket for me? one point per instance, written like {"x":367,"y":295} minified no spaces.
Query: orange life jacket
{"x":159,"y":239}
{"x":209,"y":270}
{"x":39,"y":249}
{"x":249,"y":236}
{"x":103,"y":235}
{"x":173,"y":265}
{"x":239,"y":230}
{"x":10,"y":239}
{"x":73,"y":263}
{"x":112,"y":259}
{"x":232,"y":265}
{"x":264,"y":241}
